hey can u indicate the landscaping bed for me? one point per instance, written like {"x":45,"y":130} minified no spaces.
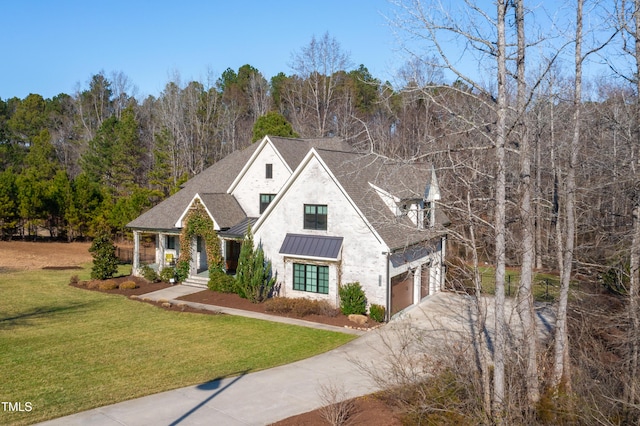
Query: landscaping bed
{"x":208,"y":297}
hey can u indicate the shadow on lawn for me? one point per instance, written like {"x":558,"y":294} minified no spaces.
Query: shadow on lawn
{"x":23,"y":319}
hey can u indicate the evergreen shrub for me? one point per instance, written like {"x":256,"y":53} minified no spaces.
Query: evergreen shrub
{"x":149,"y":274}
{"x":105,"y":262}
{"x":352,"y":299}
{"x":167,"y":274}
{"x":376,"y":312}
{"x":221,"y":282}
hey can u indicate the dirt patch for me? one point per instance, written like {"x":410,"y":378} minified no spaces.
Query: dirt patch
{"x":368,"y":410}
{"x":24,"y":255}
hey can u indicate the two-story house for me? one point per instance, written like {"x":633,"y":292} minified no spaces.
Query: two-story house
{"x":324,"y":215}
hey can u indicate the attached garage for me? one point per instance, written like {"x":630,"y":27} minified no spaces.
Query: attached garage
{"x":401,"y":292}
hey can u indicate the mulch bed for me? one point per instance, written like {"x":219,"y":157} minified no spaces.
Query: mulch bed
{"x":367,"y":410}
{"x":209,"y":297}
{"x":230,"y":300}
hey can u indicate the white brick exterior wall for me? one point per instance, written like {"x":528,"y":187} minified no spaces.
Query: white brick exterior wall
{"x":253,"y":182}
{"x":361,"y":258}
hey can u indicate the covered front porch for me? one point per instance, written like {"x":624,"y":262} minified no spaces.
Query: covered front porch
{"x":167,"y":252}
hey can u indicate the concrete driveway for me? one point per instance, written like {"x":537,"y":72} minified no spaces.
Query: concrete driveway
{"x":267,"y":396}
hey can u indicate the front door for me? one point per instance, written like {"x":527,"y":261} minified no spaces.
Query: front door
{"x":201,"y":255}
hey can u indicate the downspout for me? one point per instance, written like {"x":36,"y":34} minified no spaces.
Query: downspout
{"x":388,"y":286}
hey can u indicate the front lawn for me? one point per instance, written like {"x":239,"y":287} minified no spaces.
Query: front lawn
{"x":65,"y":350}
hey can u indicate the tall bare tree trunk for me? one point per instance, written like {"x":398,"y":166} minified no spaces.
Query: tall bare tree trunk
{"x":525,"y":296}
{"x":634,"y":261}
{"x":500,"y":213}
{"x":481,"y":319}
{"x":561,"y":363}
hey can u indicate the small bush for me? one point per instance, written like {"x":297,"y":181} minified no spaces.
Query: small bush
{"x":149,"y":274}
{"x":221,"y":282}
{"x":352,"y":299}
{"x":128,"y":285}
{"x":74,"y":280}
{"x":167,"y":274}
{"x":108,"y":285}
{"x":376,"y":312}
{"x":299,"y":307}
{"x":91,"y":285}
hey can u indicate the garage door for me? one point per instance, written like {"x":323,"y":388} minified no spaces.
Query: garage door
{"x":401,"y":292}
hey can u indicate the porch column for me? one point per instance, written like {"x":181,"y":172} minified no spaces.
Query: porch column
{"x":160,"y":250}
{"x":136,"y":252}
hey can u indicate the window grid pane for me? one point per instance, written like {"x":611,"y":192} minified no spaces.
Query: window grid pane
{"x":315,"y":216}
{"x":323,"y":279}
{"x":298,"y":276}
{"x":311,"y":278}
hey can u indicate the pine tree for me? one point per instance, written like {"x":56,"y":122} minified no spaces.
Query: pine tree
{"x":253,"y":277}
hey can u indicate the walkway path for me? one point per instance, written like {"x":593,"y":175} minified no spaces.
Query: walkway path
{"x":270,"y":395}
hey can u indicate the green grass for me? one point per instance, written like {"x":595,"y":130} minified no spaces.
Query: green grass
{"x":546,"y":287}
{"x":66,"y":350}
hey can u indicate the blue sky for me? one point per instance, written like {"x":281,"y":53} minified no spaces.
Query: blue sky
{"x":53,"y":47}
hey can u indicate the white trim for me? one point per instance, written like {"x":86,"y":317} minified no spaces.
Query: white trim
{"x":253,"y":158}
{"x":178,"y":224}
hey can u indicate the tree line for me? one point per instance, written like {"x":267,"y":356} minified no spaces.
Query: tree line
{"x":97,"y":158}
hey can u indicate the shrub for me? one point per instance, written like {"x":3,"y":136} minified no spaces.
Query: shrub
{"x":376,"y":312}
{"x":299,"y":307}
{"x":221,"y":282}
{"x":105,"y":262}
{"x":167,"y":274}
{"x":149,"y":274}
{"x":74,"y":280}
{"x":182,"y":270}
{"x":352,"y":299}
{"x":128,"y":285}
{"x":253,"y":277}
{"x":108,"y":285}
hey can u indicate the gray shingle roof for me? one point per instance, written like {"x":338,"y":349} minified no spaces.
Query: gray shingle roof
{"x":215,"y":179}
{"x":224,"y":208}
{"x":354,"y":171}
{"x":219,"y":177}
{"x":404,"y":180}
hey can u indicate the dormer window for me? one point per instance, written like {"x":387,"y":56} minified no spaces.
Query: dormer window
{"x":268,"y":171}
